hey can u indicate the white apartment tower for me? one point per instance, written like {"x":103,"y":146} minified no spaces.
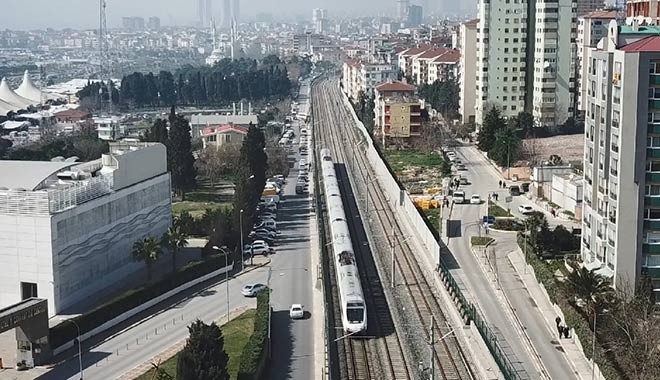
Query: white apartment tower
{"x":621,"y":212}
{"x":467,"y":69}
{"x":525,"y":59}
{"x":592,"y":27}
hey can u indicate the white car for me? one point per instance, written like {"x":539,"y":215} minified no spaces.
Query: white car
{"x":525,"y":209}
{"x":251,"y":290}
{"x":296,"y":311}
{"x":258,"y":247}
{"x":475,"y":199}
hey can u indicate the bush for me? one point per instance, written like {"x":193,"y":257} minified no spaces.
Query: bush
{"x":65,"y":332}
{"x":508,"y":225}
{"x":256,"y":348}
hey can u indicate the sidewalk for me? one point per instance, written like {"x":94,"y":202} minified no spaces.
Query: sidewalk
{"x":573,"y":352}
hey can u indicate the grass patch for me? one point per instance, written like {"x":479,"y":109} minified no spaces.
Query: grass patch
{"x":401,"y":160}
{"x":433,"y":215}
{"x":480,"y":240}
{"x":236,"y":333}
{"x":196,"y":209}
{"x":497,"y":211}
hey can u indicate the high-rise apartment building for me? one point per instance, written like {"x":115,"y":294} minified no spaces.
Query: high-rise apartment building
{"x":204,"y":12}
{"x":133,"y":23}
{"x":587,"y":6}
{"x":525,"y":59}
{"x":415,"y":16}
{"x":621,"y":211}
{"x":402,"y":9}
{"x":319,"y":19}
{"x":154,"y":23}
{"x":236,"y":10}
{"x":467,"y":69}
{"x":592,"y":27}
{"x":226,"y":14}
{"x":645,"y":11}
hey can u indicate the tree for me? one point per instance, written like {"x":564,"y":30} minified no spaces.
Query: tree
{"x":157,"y":132}
{"x":278,"y":160}
{"x":182,"y":162}
{"x":147,"y":250}
{"x":555,"y":160}
{"x":443,"y":95}
{"x":492,"y":123}
{"x":525,"y":122}
{"x":506,"y":149}
{"x":221,"y":162}
{"x":204,"y":356}
{"x":174,"y":239}
{"x":590,"y":287}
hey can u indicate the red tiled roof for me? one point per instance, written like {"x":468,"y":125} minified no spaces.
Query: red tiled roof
{"x":73,"y":113}
{"x":223,"y":129}
{"x":648,"y":44}
{"x":601,"y":14}
{"x":472,"y":22}
{"x":417,"y":50}
{"x":450,"y":56}
{"x":395,"y":86}
{"x":433,"y":53}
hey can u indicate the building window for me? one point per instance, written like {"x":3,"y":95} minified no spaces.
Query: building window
{"x":653,"y":166}
{"x":653,"y":190}
{"x":653,"y":142}
{"x":28,"y":290}
{"x":652,"y":213}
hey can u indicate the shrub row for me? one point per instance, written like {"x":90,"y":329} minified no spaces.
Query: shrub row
{"x":254,"y":352}
{"x":573,"y":318}
{"x":65,"y":332}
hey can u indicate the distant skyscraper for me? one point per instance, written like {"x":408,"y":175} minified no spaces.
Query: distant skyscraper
{"x":226,"y":14}
{"x":319,"y":19}
{"x":402,"y":9}
{"x":133,"y":23}
{"x":415,"y":15}
{"x":236,"y":10}
{"x":204,"y":12}
{"x":154,"y":23}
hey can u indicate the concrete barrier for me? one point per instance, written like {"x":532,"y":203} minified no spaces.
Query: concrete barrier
{"x":121,"y":318}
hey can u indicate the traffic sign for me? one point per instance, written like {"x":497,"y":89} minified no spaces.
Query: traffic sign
{"x":508,"y":199}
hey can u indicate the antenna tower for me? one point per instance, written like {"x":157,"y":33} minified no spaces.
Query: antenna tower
{"x":104,"y":69}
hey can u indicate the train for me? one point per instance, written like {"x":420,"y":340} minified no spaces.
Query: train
{"x":353,"y":306}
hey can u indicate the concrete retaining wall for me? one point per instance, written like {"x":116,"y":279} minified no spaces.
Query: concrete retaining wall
{"x":121,"y":318}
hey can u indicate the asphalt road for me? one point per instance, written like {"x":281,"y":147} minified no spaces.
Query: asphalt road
{"x":292,"y":340}
{"x":483,"y":180}
{"x":142,"y":341}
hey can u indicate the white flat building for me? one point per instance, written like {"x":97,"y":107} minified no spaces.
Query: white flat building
{"x":364,"y":77}
{"x":592,"y":27}
{"x":67,"y":229}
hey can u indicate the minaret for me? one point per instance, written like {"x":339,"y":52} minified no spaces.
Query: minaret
{"x":233,"y":37}
{"x":215,"y":33}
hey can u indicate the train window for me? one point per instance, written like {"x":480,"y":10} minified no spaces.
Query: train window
{"x":346,"y":258}
{"x":355,"y":315}
{"x":327,"y":158}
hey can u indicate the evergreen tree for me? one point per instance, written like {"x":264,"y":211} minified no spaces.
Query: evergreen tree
{"x":506,"y":148}
{"x":493,"y":122}
{"x":204,"y":356}
{"x":182,"y":162}
{"x":157,"y":133}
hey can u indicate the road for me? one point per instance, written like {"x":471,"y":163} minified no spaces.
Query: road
{"x":292,"y":281}
{"x":483,"y":180}
{"x":139,"y":343}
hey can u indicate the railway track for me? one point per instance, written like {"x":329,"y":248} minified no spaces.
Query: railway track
{"x":378,"y":353}
{"x":448,"y":362}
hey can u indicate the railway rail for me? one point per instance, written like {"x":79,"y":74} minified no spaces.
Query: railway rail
{"x":448,"y":358}
{"x":377,"y":353}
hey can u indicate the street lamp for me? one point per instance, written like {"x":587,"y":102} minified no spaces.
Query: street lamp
{"x":79,"y":348}
{"x":593,"y":341}
{"x":240,"y":222}
{"x":223,"y":250}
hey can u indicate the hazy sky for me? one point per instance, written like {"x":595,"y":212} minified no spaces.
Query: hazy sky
{"x":37,"y":14}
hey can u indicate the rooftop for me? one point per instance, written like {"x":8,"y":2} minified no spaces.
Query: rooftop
{"x":224,"y":128}
{"x":395,"y":86}
{"x":472,"y":22}
{"x":647,"y":44}
{"x":601,"y":14}
{"x":28,"y":175}
{"x":641,"y":29}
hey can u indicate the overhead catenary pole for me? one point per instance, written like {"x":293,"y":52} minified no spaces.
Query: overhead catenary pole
{"x":432,"y":350}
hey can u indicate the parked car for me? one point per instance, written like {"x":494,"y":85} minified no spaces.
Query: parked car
{"x":258,"y":247}
{"x":514,"y":190}
{"x":525,"y":209}
{"x":460,"y":167}
{"x":251,"y":290}
{"x":464,"y":181}
{"x":264,"y":231}
{"x":296,"y":311}
{"x":300,"y":187}
{"x":475,"y":199}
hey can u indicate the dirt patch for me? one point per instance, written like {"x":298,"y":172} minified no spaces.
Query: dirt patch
{"x":569,"y":147}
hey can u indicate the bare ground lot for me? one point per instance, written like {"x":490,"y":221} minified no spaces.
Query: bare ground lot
{"x":569,"y":147}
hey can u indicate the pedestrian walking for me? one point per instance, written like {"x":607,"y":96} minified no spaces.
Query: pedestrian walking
{"x":553,"y":212}
{"x":566,"y":331}
{"x":560,"y":329}
{"x":558,"y":321}
{"x":503,"y":185}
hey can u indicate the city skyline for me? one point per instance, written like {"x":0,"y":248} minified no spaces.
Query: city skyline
{"x":83,"y":14}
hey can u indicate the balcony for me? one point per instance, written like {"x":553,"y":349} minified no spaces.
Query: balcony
{"x":652,"y":201}
{"x":652,"y":224}
{"x":652,"y":153}
{"x":586,"y":244}
{"x":612,"y":218}
{"x":651,"y":248}
{"x":655,"y":79}
{"x":614,"y":172}
{"x":654,"y":128}
{"x":611,"y":242}
{"x":613,"y":196}
{"x":654,"y":104}
{"x":586,"y":222}
{"x":653,"y":177}
{"x":599,"y":234}
{"x":615,"y":148}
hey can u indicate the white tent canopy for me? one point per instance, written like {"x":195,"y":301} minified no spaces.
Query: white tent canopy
{"x":9,"y":96}
{"x":28,"y":90}
{"x":6,"y":108}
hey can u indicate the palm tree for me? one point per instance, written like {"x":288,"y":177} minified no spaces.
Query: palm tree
{"x":147,"y":250}
{"x":592,"y":288}
{"x":174,"y":239}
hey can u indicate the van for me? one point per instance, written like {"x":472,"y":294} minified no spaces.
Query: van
{"x":267,"y":223}
{"x":270,"y":198}
{"x":458,"y":197}
{"x":514,"y":190}
{"x":300,"y":187}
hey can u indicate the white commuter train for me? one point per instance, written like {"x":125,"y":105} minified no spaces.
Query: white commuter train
{"x":353,"y":306}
